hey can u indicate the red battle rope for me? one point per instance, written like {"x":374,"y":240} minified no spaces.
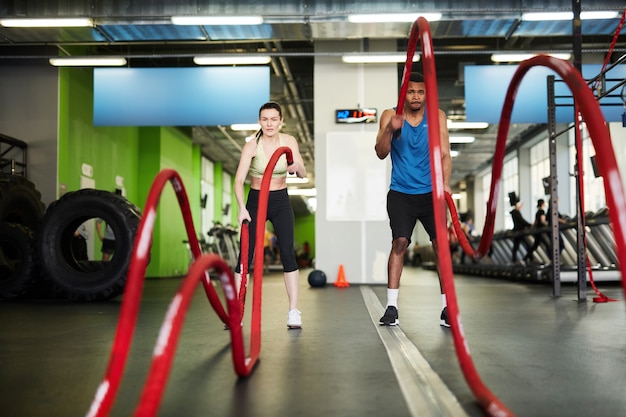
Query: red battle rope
{"x":421,"y":30}
{"x":598,"y":131}
{"x":245,"y":244}
{"x":607,"y":58}
{"x":163,"y":354}
{"x":255,"y":332}
{"x":606,"y":162}
{"x":105,"y":394}
{"x":170,"y":329}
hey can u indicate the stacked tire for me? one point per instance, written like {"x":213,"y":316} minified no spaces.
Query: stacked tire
{"x":36,"y":256}
{"x":21,"y":214}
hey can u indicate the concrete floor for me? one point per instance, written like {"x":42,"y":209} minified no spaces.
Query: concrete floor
{"x":541,"y":356}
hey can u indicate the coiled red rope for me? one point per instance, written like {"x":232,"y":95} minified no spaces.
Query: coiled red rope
{"x":170,"y":329}
{"x":606,"y":161}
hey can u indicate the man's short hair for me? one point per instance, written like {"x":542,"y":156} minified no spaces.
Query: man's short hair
{"x":416,"y":77}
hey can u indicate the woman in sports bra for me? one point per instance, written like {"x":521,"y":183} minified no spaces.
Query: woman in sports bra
{"x":254,"y":158}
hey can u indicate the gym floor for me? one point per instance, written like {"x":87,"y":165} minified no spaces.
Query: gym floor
{"x":540,"y":355}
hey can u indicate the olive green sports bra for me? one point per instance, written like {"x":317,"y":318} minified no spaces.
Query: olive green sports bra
{"x":259,"y":162}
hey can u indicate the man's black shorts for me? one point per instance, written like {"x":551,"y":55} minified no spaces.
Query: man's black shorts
{"x":405,"y":209}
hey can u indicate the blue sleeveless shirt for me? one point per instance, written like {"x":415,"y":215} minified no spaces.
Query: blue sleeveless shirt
{"x":410,"y":158}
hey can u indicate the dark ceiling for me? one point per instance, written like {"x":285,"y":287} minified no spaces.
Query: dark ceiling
{"x":469,"y":32}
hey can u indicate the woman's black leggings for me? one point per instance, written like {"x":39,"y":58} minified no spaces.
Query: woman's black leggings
{"x":280,"y":214}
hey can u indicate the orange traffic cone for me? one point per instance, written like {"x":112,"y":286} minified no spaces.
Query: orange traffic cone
{"x":341,"y":279}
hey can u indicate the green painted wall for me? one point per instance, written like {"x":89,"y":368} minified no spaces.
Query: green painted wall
{"x":170,"y":148}
{"x":218,"y":187}
{"x":136,"y":154}
{"x":305,"y":231}
{"x":111,"y":151}
{"x":234,"y":210}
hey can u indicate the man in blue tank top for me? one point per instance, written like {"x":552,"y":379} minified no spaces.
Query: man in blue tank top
{"x":410,"y":198}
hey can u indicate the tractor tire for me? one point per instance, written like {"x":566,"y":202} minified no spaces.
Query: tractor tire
{"x":83,"y":279}
{"x":20,"y":202}
{"x":17,"y":260}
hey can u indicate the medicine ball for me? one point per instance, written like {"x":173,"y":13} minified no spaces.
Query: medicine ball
{"x":317,"y":278}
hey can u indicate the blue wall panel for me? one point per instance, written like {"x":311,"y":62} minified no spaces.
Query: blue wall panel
{"x":486,"y":87}
{"x":203,"y":96}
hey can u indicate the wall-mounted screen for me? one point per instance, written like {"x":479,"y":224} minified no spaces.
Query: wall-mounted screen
{"x":355,"y":116}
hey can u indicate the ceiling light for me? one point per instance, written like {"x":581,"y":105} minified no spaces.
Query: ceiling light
{"x":454,"y":154}
{"x":292,"y":179}
{"x":245,"y":126}
{"x":373,"y":58}
{"x":392,"y":17}
{"x":50,"y":23}
{"x":111,"y":61}
{"x":598,"y":15}
{"x":569,"y":15}
{"x":307,"y":192}
{"x":523,"y":57}
{"x":232,"y":60}
{"x":217,"y":20}
{"x":462,"y":139}
{"x":467,"y":125}
{"x":533,"y":17}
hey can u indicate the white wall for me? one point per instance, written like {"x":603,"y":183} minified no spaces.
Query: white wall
{"x":618,"y":137}
{"x":361,"y":242}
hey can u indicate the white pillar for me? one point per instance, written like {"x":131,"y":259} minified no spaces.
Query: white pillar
{"x":353,"y":232}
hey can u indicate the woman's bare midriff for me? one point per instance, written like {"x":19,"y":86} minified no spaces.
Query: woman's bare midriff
{"x":275,"y":183}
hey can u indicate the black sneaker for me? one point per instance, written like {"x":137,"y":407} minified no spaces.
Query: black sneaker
{"x":390,"y":318}
{"x":443,"y":319}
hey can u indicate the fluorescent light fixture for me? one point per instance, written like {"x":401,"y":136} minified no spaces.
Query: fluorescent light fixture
{"x":599,"y":15}
{"x":46,"y":23}
{"x":373,"y":58}
{"x":245,"y":126}
{"x":462,"y":139}
{"x":217,"y":20}
{"x":110,"y":61}
{"x":454,"y":154}
{"x":292,"y":179}
{"x":392,"y":17}
{"x":467,"y":125}
{"x":536,"y":16}
{"x":307,"y":192}
{"x":569,"y":15}
{"x":232,"y":60}
{"x":523,"y":57}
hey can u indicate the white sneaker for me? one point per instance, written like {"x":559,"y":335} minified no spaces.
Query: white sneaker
{"x":294,"y":319}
